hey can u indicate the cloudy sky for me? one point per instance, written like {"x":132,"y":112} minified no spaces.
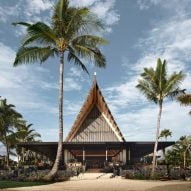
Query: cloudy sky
{"x":138,"y":31}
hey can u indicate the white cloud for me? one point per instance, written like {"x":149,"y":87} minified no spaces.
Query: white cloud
{"x":72,"y":107}
{"x":37,"y":6}
{"x":8,"y":11}
{"x":172,"y":6}
{"x":121,"y":95}
{"x":146,"y":4}
{"x":141,"y":124}
{"x":71,"y":84}
{"x":73,"y":79}
{"x":20,"y":85}
{"x":105,"y":10}
{"x":83,"y":3}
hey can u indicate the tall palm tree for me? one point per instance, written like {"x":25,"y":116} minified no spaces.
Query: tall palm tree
{"x":9,"y":119}
{"x":69,"y":36}
{"x":185,"y":99}
{"x":156,"y":86}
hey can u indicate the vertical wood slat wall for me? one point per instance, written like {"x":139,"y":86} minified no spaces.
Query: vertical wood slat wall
{"x":95,"y":129}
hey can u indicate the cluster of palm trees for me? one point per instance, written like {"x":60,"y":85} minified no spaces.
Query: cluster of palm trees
{"x":157,"y":85}
{"x":14,"y":129}
{"x":180,"y":154}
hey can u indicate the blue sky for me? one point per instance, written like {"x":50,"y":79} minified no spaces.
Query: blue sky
{"x":139,"y":31}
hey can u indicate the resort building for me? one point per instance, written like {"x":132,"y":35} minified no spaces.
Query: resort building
{"x":95,"y":137}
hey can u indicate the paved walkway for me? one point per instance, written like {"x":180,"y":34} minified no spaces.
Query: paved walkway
{"x":103,"y":182}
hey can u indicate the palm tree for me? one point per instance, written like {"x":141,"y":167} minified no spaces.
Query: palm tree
{"x":185,"y":146}
{"x":156,"y":86}
{"x":26,"y":134}
{"x":165,"y":133}
{"x":9,"y":119}
{"x":180,"y":154}
{"x":185,"y":99}
{"x":69,"y":36}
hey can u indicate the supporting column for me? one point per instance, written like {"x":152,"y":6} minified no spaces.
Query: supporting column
{"x":129,"y":155}
{"x":121,"y":156}
{"x":124,"y":156}
{"x":65,"y":156}
{"x":27,"y":155}
{"x":106,"y":153}
{"x":84,"y":156}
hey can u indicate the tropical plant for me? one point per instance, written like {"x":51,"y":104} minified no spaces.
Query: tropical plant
{"x":70,"y":35}
{"x":26,"y":134}
{"x":156,"y":86}
{"x":165,"y":133}
{"x":180,"y":154}
{"x":9,"y":119}
{"x":185,"y":99}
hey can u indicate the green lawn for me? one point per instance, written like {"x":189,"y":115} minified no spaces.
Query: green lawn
{"x":14,"y":184}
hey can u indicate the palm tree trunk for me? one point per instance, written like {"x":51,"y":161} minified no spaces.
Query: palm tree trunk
{"x":23,"y":153}
{"x":7,"y":150}
{"x":51,"y":175}
{"x":184,"y":159}
{"x":156,"y":141}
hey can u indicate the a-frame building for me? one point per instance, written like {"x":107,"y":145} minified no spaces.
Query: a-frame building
{"x":95,"y":122}
{"x":95,"y":138}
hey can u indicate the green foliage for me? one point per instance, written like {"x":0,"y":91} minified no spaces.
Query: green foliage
{"x":180,"y":154}
{"x":144,"y":174}
{"x":14,"y":184}
{"x":185,"y":99}
{"x":165,"y":133}
{"x":9,"y":121}
{"x":13,"y":129}
{"x":72,"y":32}
{"x":156,"y":85}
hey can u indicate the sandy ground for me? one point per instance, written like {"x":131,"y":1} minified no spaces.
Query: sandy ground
{"x":115,"y":184}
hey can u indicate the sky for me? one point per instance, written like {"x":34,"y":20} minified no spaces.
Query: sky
{"x":138,"y":31}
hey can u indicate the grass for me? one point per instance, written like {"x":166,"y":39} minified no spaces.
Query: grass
{"x":14,"y":184}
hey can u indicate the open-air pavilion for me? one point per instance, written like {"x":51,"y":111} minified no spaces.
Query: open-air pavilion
{"x":95,"y":138}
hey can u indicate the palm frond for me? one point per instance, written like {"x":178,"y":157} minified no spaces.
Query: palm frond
{"x":173,"y":82}
{"x":161,"y":74}
{"x":40,"y":33}
{"x":69,"y":22}
{"x":21,"y":23}
{"x":72,"y":57}
{"x":146,"y":89}
{"x":173,"y":94}
{"x":89,"y":40}
{"x":28,"y":55}
{"x":99,"y":58}
{"x":184,"y":99}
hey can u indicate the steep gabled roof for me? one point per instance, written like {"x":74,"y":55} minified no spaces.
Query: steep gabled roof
{"x":95,"y":98}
